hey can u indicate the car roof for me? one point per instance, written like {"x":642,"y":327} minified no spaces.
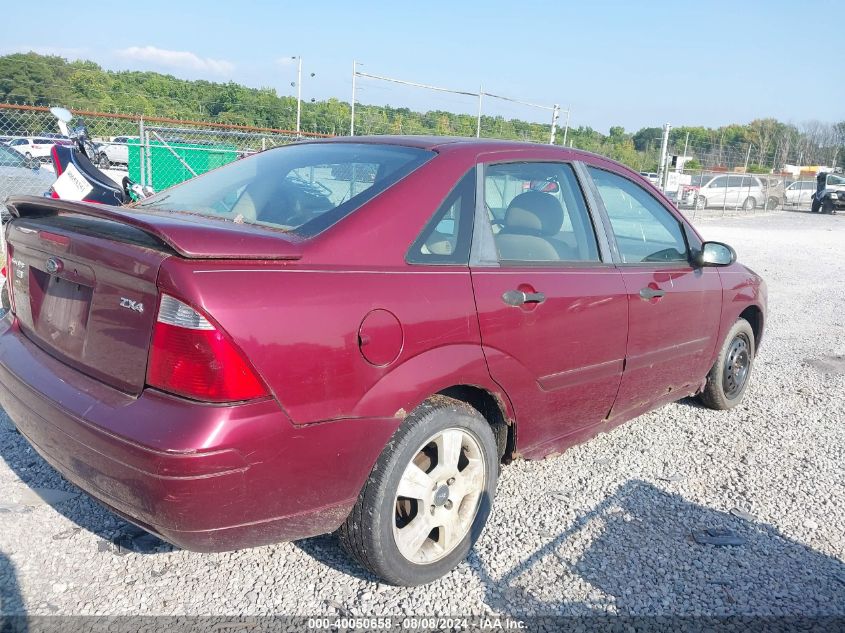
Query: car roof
{"x":440,"y":143}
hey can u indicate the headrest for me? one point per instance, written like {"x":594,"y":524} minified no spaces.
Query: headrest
{"x":534,"y":212}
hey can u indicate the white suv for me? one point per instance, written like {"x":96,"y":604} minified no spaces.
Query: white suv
{"x":33,"y":147}
{"x":115,"y":151}
{"x":727,"y":190}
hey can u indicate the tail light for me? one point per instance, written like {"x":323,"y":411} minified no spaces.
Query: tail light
{"x":192,"y":357}
{"x":7,"y":271}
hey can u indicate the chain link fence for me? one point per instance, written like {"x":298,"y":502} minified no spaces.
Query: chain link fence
{"x":153,"y":151}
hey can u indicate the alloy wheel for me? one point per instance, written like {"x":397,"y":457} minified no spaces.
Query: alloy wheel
{"x":438,"y":496}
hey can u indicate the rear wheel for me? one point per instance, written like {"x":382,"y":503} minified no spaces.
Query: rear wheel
{"x":827,"y":207}
{"x":700,"y":202}
{"x":728,"y":377}
{"x":749,"y":204}
{"x":772,"y":203}
{"x":428,"y":496}
{"x":103,"y":161}
{"x":815,"y":206}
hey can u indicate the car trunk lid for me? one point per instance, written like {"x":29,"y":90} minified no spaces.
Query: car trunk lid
{"x":84,"y":280}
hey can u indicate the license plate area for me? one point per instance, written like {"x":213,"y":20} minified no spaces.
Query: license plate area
{"x":60,"y":309}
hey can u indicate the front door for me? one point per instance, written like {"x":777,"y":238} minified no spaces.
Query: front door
{"x":553,"y":315}
{"x":674,"y":309}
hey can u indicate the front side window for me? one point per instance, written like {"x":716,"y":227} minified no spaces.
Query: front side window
{"x":644,"y":229}
{"x":303,"y":187}
{"x":538,"y":213}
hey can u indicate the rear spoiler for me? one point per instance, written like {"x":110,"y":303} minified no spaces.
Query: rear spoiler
{"x":191,"y":236}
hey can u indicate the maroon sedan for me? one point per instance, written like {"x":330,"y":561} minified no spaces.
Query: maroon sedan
{"x":352,"y":335}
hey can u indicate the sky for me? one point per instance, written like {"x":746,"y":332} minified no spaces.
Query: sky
{"x":633,"y":64}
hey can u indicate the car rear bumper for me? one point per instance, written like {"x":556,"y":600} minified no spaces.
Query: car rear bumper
{"x":205,"y":478}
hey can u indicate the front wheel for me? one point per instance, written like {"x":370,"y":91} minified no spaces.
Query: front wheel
{"x":827,"y":207}
{"x":749,"y":204}
{"x":428,"y":496}
{"x":700,"y":203}
{"x":728,"y":377}
{"x":772,"y":203}
{"x":103,"y":161}
{"x":815,"y":206}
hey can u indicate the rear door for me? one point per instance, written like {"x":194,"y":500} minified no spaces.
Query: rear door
{"x":551,"y":305}
{"x":674,"y":308}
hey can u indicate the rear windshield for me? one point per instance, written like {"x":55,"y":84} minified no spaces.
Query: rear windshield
{"x":303,"y":187}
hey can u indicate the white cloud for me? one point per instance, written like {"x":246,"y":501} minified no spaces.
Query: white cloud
{"x":185,"y":60}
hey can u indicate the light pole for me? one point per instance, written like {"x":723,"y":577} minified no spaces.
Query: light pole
{"x":298,"y":85}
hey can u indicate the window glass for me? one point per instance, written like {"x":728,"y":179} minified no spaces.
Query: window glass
{"x":645,"y":230}
{"x":719,"y":182}
{"x":835,"y":180}
{"x":735,"y":181}
{"x":538,"y":213}
{"x":302,"y":187}
{"x":10,"y":158}
{"x":447,"y":236}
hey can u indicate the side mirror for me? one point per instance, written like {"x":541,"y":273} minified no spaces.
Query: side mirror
{"x":62,"y":114}
{"x":715,"y":254}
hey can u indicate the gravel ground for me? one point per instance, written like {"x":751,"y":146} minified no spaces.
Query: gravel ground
{"x":605,"y":528}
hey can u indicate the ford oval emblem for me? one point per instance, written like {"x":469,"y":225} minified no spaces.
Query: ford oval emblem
{"x":54,"y":265}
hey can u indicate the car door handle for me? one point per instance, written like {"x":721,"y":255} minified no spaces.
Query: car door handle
{"x":651,"y":293}
{"x":518,"y":297}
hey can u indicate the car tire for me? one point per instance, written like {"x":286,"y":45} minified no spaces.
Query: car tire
{"x":772,"y":204}
{"x":728,"y":378}
{"x":373,"y":533}
{"x":815,"y":205}
{"x":700,"y":203}
{"x":103,"y":161}
{"x":749,"y":204}
{"x":28,"y":156}
{"x":827,"y":207}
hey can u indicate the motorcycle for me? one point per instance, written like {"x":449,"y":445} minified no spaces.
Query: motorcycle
{"x":78,"y":178}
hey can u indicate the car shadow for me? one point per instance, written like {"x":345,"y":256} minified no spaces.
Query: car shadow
{"x":117,"y":534}
{"x":12,"y":608}
{"x":642,"y":536}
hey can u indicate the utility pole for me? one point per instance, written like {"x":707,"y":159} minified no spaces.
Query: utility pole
{"x":566,"y":125}
{"x":478,"y":122}
{"x":555,"y":115}
{"x":298,"y":94}
{"x":661,"y":173}
{"x":747,"y":156}
{"x":352,"y":118}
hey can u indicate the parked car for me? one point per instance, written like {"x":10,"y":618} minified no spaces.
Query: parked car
{"x":773,"y":191}
{"x":33,"y":146}
{"x":727,"y":190}
{"x":238,"y":364}
{"x":829,"y":196}
{"x":650,"y":176}
{"x":19,"y":176}
{"x":113,"y":152}
{"x":800,"y":192}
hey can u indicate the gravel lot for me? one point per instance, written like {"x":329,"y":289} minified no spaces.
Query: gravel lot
{"x":605,"y":528}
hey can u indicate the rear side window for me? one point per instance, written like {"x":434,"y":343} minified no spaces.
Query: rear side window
{"x":644,"y":229}
{"x":447,"y":237}
{"x":538,"y":213}
{"x":303,"y":187}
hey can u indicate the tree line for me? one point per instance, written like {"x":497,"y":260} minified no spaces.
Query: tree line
{"x":762,"y":145}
